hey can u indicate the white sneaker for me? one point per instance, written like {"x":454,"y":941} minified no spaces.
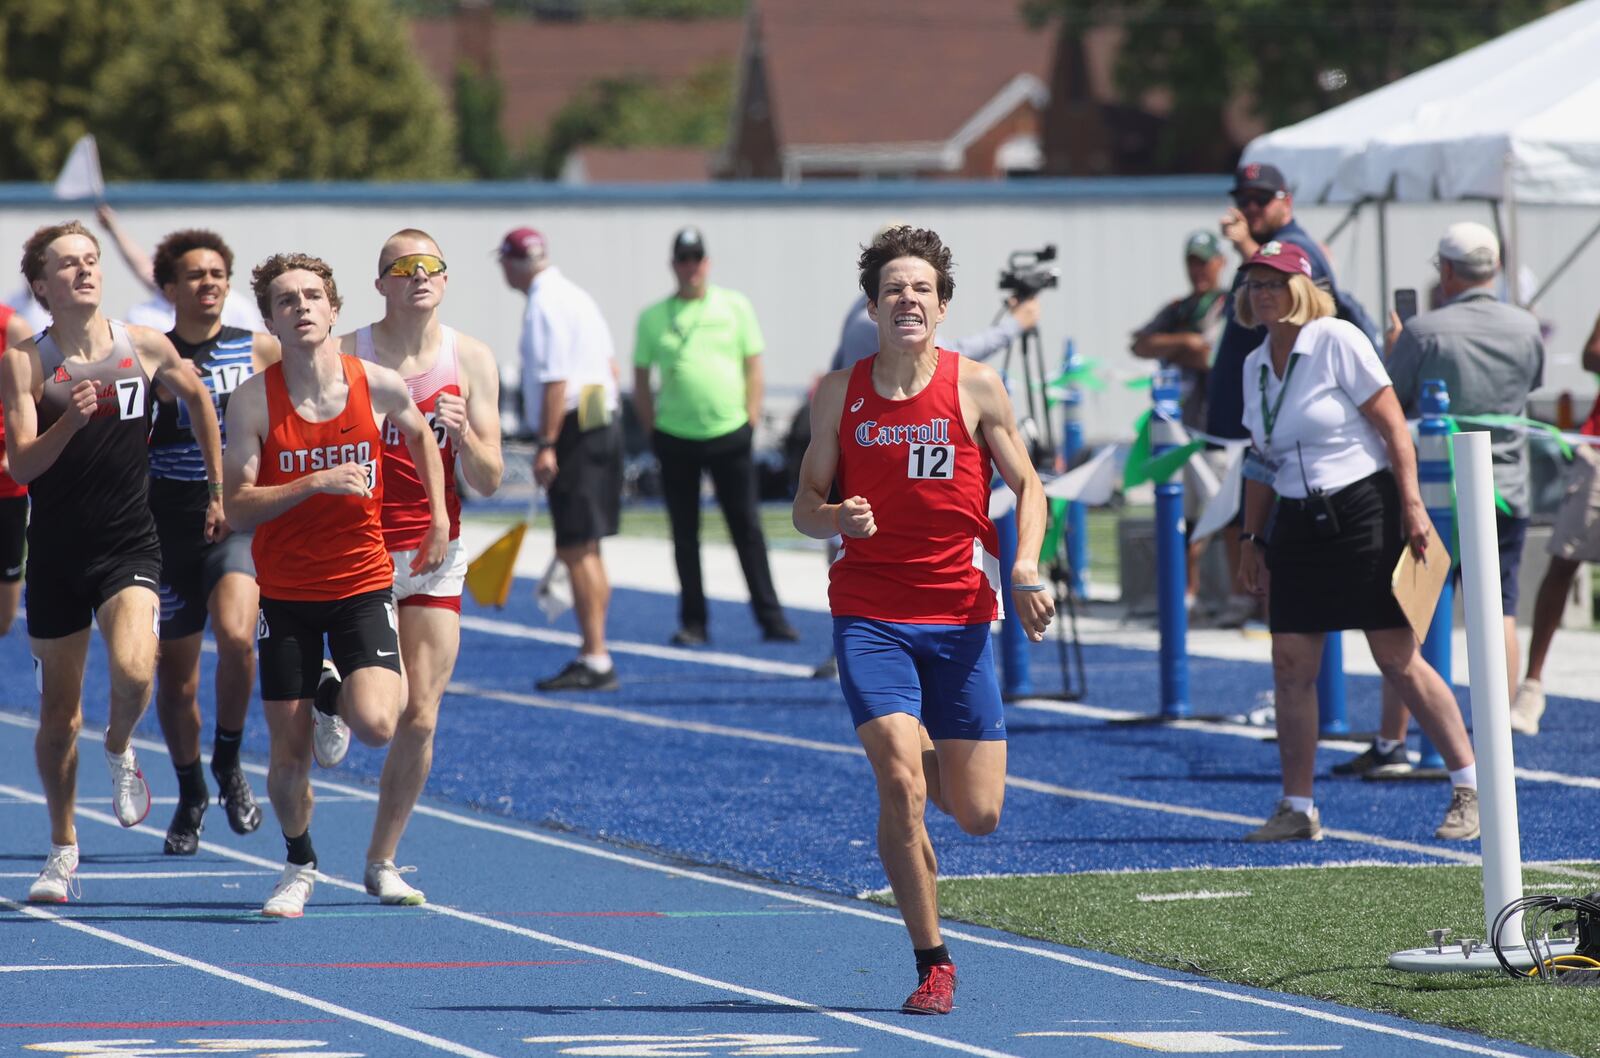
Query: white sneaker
{"x":330,"y":737}
{"x":384,"y":882}
{"x":130,"y":794}
{"x":59,"y":879}
{"x":1527,"y":707}
{"x":289,"y":896}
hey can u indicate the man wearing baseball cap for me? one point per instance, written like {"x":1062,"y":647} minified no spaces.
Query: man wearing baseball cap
{"x":707,"y":346}
{"x":1489,"y":355}
{"x":569,"y":402}
{"x":1181,"y":335}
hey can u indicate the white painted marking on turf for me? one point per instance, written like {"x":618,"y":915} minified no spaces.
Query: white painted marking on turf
{"x":88,"y":966}
{"x":1189,"y":1042}
{"x":478,"y":920}
{"x":381,"y":1024}
{"x":1196,"y":894}
{"x":514,"y":630}
{"x":768,"y":890}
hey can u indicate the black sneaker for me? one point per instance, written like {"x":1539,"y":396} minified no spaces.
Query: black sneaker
{"x":233,"y":794}
{"x":688,"y":636}
{"x":183,"y":833}
{"x":1370,"y":762}
{"x":578,"y":676}
{"x":783,"y":633}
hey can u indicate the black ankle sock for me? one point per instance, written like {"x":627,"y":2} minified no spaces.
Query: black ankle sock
{"x":300,"y":850}
{"x":225,"y":749}
{"x":192,"y":783}
{"x":327,"y":697}
{"x":927,"y":958}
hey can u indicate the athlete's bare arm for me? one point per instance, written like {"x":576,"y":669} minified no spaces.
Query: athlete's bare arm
{"x":264,"y":351}
{"x":17,"y":330}
{"x":29,"y":452}
{"x":247,"y":504}
{"x":472,"y":420}
{"x":163,"y":364}
{"x":813,"y":514}
{"x":983,"y":392}
{"x":392,"y":399}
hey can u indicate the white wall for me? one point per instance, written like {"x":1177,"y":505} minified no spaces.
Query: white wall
{"x":792,"y":251}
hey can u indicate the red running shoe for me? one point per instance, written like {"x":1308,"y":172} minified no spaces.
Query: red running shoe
{"x":936,"y":994}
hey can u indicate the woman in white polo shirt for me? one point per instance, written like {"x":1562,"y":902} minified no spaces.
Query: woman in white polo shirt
{"x":1329,"y":442}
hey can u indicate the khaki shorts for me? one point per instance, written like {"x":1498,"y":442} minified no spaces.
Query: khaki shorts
{"x":1576,"y":533}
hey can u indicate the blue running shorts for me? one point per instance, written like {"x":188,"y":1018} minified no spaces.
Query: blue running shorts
{"x":942,"y":674}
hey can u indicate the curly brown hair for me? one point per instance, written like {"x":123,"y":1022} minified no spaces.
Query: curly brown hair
{"x":33,"y":250}
{"x":174,"y":246}
{"x":263,"y":274}
{"x":905,"y":241}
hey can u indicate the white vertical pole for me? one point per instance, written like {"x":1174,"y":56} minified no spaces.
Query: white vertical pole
{"x":1486,"y":664}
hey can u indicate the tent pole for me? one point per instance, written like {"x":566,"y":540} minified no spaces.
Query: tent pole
{"x":1565,"y":264}
{"x":1383,"y":263}
{"x":1338,"y":229}
{"x":1510,"y":252}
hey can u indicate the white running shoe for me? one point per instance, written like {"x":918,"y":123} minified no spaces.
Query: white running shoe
{"x":289,"y":896}
{"x":1527,"y":707}
{"x":59,"y":878}
{"x":384,"y":882}
{"x":130,"y":794}
{"x":330,"y":737}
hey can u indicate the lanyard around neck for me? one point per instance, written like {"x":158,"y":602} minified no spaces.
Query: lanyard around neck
{"x":1269,"y":416}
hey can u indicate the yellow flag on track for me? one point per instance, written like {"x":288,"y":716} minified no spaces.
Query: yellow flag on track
{"x":489,"y":575}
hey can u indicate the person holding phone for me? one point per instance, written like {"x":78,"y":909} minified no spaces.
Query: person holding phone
{"x":1329,"y":442}
{"x":1490,"y":355}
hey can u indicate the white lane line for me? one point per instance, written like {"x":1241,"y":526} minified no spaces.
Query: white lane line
{"x":88,"y":966}
{"x":477,"y":920}
{"x":514,"y":630}
{"x":381,"y":1024}
{"x":1196,"y":894}
{"x":143,"y":876}
{"x":770,"y":891}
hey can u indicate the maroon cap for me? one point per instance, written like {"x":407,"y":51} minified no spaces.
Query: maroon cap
{"x":1282,"y":257}
{"x":522,"y":242}
{"x":1258,"y":176}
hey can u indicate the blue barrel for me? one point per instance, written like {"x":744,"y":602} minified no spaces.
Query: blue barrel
{"x":1016,"y":678}
{"x":1071,"y":445}
{"x":1167,"y":433}
{"x":1433,"y":475}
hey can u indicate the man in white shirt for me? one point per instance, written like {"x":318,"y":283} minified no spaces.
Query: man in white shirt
{"x":569,"y":387}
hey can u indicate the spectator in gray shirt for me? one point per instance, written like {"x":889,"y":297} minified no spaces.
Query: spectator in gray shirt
{"x":1490,"y":355}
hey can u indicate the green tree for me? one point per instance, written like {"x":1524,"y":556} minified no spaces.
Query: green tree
{"x":630,"y":112}
{"x":1288,"y":58}
{"x":479,"y":142}
{"x":197,"y":90}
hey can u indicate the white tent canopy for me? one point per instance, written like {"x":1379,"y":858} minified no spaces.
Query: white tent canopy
{"x":1515,"y":119}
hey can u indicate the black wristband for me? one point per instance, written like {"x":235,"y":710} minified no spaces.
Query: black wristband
{"x":1254,"y":538}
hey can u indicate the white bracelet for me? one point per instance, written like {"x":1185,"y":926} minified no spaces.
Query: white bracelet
{"x":1029,"y":587}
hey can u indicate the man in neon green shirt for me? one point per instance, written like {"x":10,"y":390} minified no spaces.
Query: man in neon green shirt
{"x":705,"y":345}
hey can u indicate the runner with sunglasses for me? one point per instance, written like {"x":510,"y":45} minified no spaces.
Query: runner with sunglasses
{"x":206,"y":568}
{"x":454,"y":381}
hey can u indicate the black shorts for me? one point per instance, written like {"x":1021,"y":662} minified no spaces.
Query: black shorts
{"x":190,"y":570}
{"x":1510,"y":533}
{"x":1331,"y":583}
{"x":586,"y":496}
{"x":13,"y":537}
{"x":362,"y":632}
{"x":64,"y":593}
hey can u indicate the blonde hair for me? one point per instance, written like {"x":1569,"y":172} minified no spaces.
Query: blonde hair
{"x":1307,"y":302}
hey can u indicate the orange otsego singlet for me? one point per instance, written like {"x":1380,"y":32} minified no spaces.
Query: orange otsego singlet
{"x":326,"y":547}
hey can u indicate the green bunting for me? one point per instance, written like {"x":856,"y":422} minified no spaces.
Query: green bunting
{"x":1142,"y":466}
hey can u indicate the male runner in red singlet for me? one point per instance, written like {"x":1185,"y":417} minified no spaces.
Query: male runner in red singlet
{"x":302,"y":469}
{"x":76,"y":421}
{"x":454,"y":382}
{"x":13,"y":496}
{"x":912,"y":433}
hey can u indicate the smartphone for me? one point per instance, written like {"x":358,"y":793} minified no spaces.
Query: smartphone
{"x":1405,"y":303}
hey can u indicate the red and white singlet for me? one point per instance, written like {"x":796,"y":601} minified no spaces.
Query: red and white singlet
{"x":405,"y":501}
{"x":326,"y":547}
{"x":9,"y":487}
{"x":934,"y":558}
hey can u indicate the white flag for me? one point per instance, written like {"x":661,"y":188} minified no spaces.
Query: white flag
{"x":1002,"y":501}
{"x":80,"y":177}
{"x":1222,"y":506}
{"x":1094,"y":483}
{"x":554,"y":593}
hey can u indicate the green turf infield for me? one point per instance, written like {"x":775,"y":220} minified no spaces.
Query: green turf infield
{"x":1316,"y":931}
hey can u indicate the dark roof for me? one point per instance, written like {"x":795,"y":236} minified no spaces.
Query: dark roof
{"x":543,"y":65}
{"x":630,"y":165}
{"x":890,"y":71}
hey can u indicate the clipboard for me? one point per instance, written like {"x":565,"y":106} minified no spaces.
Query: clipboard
{"x":1416,"y":585}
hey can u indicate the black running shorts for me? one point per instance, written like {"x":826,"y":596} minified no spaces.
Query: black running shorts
{"x":63,"y":596}
{"x":190,"y":570}
{"x":13,"y":537}
{"x":362,"y":631}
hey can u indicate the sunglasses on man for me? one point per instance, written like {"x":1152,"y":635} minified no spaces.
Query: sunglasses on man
{"x":684,"y":258}
{"x":1255,"y":198}
{"x":404,"y":266}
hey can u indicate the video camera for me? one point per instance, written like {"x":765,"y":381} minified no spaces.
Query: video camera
{"x":1026,"y":273}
